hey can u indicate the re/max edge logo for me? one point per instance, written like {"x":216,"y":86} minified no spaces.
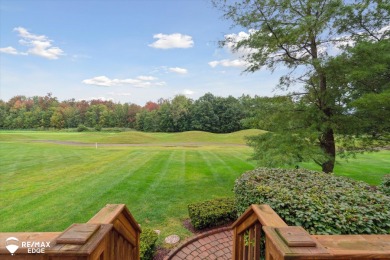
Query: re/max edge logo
{"x":33,"y":247}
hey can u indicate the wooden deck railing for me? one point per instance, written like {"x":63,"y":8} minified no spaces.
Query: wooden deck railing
{"x":112,"y":234}
{"x":247,"y":231}
{"x":289,"y":242}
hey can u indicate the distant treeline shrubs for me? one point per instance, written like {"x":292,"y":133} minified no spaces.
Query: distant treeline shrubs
{"x":208,"y":113}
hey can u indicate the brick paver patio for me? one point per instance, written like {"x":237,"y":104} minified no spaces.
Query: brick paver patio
{"x":215,"y":244}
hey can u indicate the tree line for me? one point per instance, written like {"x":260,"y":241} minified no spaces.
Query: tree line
{"x":208,"y":113}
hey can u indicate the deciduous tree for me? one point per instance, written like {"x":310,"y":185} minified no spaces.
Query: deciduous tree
{"x":302,"y":35}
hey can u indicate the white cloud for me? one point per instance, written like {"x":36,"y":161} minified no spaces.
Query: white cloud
{"x":119,"y":94}
{"x":26,"y":35}
{"x":149,"y":78}
{"x":232,"y":40}
{"x":237,"y":56}
{"x":178,"y":70}
{"x":99,"y":81}
{"x":228,"y":63}
{"x":139,"y":82}
{"x":349,"y":41}
{"x":187,"y":92}
{"x":45,"y":50}
{"x":169,"y":41}
{"x":39,"y":45}
{"x":11,"y":50}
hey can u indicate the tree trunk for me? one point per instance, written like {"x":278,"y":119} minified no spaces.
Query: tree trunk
{"x":327,"y":141}
{"x":328,"y":145}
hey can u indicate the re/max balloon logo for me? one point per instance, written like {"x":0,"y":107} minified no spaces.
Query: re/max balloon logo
{"x":33,"y":247}
{"x":12,"y":244}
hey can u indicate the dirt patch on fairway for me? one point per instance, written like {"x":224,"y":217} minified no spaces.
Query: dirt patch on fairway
{"x":189,"y":144}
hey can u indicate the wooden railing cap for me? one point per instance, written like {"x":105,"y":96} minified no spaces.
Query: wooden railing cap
{"x":265,"y":214}
{"x":77,"y":234}
{"x":111,"y":212}
{"x":296,"y":236}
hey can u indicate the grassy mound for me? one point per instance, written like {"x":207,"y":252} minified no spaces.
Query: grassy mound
{"x":131,"y":137}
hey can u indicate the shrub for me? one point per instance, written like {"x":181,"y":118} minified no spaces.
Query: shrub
{"x":82,"y":128}
{"x":98,"y":128}
{"x":147,"y":243}
{"x":385,"y":185}
{"x":319,"y":202}
{"x":212,"y":213}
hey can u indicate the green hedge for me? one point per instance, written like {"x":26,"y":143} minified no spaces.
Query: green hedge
{"x":385,"y":185}
{"x":212,"y":213}
{"x":321,"y":203}
{"x":82,"y":128}
{"x":147,"y":243}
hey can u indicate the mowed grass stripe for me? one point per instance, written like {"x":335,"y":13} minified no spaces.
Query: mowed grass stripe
{"x":116,"y":187}
{"x":47,"y":175}
{"x":242,"y":155}
{"x":223,"y":174}
{"x":63,"y":204}
{"x":149,"y":192}
{"x":230,"y":162}
{"x":134,"y":189}
{"x":71,"y":204}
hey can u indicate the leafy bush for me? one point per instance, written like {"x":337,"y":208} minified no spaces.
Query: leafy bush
{"x":319,"y":202}
{"x":212,"y":213}
{"x":98,"y":128}
{"x":82,"y":128}
{"x":147,"y":243}
{"x":385,"y":185}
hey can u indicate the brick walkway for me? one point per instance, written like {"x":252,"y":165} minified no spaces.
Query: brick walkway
{"x":215,"y":244}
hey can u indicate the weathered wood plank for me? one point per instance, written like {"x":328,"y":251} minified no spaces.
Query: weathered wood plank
{"x":77,"y":234}
{"x":100,"y":251}
{"x":267,"y":216}
{"x":111,"y":212}
{"x":250,"y":221}
{"x":107,"y":214}
{"x":240,"y":246}
{"x":251,"y":243}
{"x":121,"y":229}
{"x":364,"y":246}
{"x":88,"y":247}
{"x":258,"y":231}
{"x":296,"y":237}
{"x":289,"y":251}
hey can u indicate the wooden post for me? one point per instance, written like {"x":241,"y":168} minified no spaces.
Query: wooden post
{"x":112,"y":234}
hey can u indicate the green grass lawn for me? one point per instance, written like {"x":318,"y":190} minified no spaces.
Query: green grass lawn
{"x":47,"y":187}
{"x":367,"y":167}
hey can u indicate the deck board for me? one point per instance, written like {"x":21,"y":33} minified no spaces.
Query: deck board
{"x":364,"y":245}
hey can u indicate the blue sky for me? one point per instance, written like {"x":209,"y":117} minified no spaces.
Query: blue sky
{"x":126,"y":51}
